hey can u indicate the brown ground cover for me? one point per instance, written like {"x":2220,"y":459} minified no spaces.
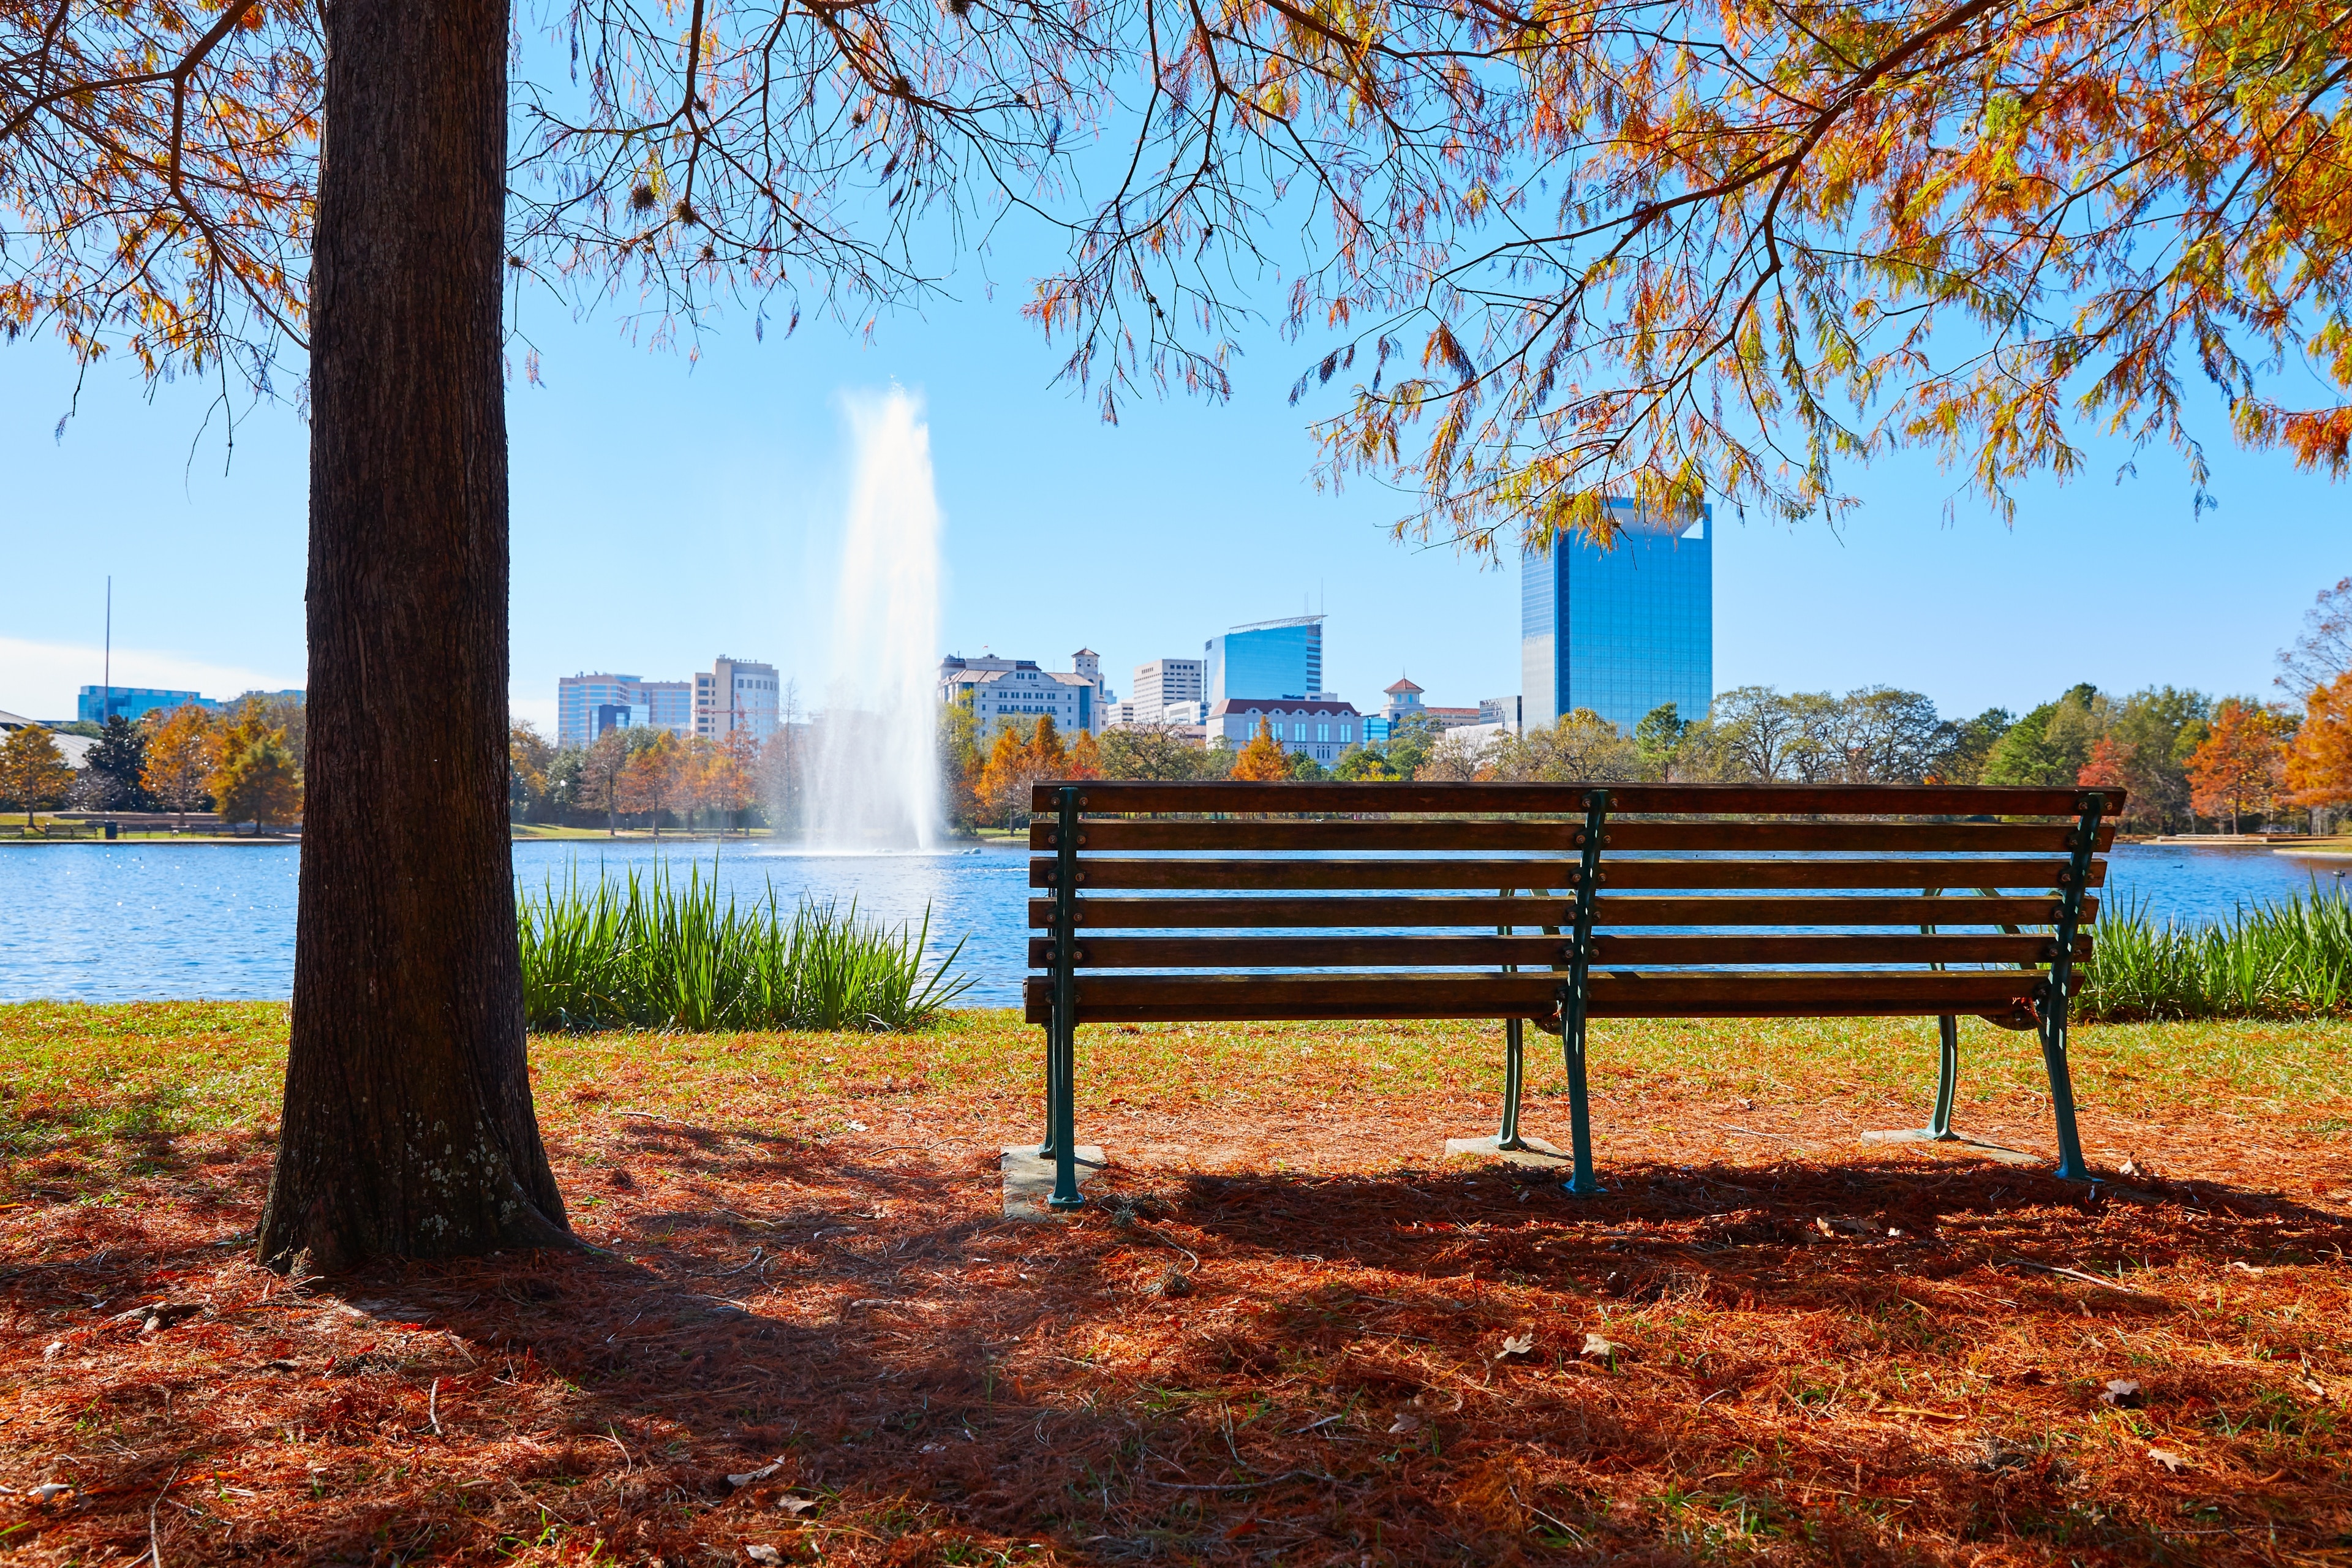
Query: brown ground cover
{"x":1288,"y":1331}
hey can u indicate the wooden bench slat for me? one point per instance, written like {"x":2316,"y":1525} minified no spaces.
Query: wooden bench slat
{"x":1628,"y":871}
{"x":1196,"y":914}
{"x":1142,"y":998}
{"x":1306,"y":875}
{"x":1910,"y":800}
{"x":1270,"y":875}
{"x":1912,"y":947}
{"x":1560,"y":838}
{"x":1222,"y":952}
{"x":1230,"y":953}
{"x":1969,"y":909}
{"x":1609,"y":910}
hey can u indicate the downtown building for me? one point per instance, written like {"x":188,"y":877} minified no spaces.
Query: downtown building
{"x":1321,"y":729}
{"x":1271,"y":672}
{"x":1162,"y":684}
{"x":737,"y":697}
{"x":95,"y":704}
{"x":1262,"y":659}
{"x":1620,"y":631}
{"x":586,"y":705}
{"x":997,"y":692}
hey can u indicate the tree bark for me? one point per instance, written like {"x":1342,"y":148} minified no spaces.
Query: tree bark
{"x":408,"y":1128}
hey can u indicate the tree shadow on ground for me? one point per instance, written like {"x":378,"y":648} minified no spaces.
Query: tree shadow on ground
{"x":1879,"y":1361}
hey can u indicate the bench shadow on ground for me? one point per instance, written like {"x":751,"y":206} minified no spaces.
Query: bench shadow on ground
{"x":931,"y":1382}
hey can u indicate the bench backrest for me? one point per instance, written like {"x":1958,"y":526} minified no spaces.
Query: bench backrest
{"x":1209,"y":902}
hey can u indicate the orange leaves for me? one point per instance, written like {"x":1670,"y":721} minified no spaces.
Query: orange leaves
{"x":2239,"y":766}
{"x":2319,"y":763}
{"x":156,"y":165}
{"x":1262,"y":761}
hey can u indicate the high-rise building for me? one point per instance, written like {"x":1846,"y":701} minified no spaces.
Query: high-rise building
{"x":736,"y":695}
{"x":93,"y":704}
{"x":1266,"y":658}
{"x":668,"y":704}
{"x":1622,"y":630}
{"x":577,"y":699}
{"x":1162,"y":684}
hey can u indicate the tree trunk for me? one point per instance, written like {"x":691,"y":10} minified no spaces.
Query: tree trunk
{"x":408,"y":1128}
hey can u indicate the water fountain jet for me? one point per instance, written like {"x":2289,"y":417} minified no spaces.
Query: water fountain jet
{"x":872,"y":780}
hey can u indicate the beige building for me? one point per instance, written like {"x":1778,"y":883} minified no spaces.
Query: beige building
{"x":736,"y":695}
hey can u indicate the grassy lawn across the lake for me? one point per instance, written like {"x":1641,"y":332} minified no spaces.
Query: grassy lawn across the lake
{"x":1287,"y":1329}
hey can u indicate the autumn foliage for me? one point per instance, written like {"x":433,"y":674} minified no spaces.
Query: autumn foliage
{"x":2240,"y":767}
{"x":33,"y":772}
{"x":1713,"y":244}
{"x":2319,"y":763}
{"x":1015,"y":763}
{"x":1262,"y":761}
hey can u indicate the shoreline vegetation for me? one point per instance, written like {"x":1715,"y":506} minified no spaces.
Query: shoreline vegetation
{"x":648,"y":950}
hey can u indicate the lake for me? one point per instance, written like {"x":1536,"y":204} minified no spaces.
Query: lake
{"x":124,"y":921}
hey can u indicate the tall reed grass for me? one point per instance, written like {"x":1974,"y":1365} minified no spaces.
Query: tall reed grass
{"x":648,"y":950}
{"x":2292,"y":958}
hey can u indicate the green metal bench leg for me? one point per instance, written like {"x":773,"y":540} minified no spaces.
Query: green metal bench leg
{"x":1065,"y":1134}
{"x":1947,"y":1079}
{"x":1575,"y":996}
{"x":2070,"y":1167}
{"x":1515,"y":1061}
{"x":1061,"y":1051}
{"x":1053,"y":1087}
{"x":2061,"y":988}
{"x":1580,"y":1111}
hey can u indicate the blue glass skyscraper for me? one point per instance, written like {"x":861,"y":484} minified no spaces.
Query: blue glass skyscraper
{"x":1266,"y":658}
{"x":1622,"y":630}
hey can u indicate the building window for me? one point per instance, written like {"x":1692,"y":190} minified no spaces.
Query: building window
{"x":1322,"y":731}
{"x":1344,"y":734}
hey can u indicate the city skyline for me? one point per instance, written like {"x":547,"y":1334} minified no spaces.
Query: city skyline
{"x":766,"y":493}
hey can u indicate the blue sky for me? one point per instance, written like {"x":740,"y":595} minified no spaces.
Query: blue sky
{"x":666,"y":512}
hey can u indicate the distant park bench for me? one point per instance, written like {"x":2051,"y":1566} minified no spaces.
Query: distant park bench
{"x":1555,"y":904}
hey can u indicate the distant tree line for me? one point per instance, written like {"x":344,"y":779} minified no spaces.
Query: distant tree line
{"x":244,"y":763}
{"x":648,"y":777}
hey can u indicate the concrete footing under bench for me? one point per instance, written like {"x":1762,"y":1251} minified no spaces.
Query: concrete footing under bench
{"x":1029,"y":1181}
{"x":1989,"y":1151}
{"x":1538,"y":1154}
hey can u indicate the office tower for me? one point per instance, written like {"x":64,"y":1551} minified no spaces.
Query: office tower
{"x":578,"y":698}
{"x":1163,"y":683}
{"x":736,"y":695}
{"x":1266,"y":658}
{"x":1622,"y":630}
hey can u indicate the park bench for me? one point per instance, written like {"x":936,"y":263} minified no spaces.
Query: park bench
{"x":1555,"y":904}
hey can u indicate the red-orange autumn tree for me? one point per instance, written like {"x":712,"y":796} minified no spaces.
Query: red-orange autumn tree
{"x":2319,"y":763}
{"x":2238,"y":768}
{"x":2109,"y":762}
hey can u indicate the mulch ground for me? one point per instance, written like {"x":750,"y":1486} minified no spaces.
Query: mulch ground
{"x":1285,"y":1329}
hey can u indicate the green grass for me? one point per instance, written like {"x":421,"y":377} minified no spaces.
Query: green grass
{"x":648,"y":950}
{"x":2291,"y":959}
{"x":137,"y":1078}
